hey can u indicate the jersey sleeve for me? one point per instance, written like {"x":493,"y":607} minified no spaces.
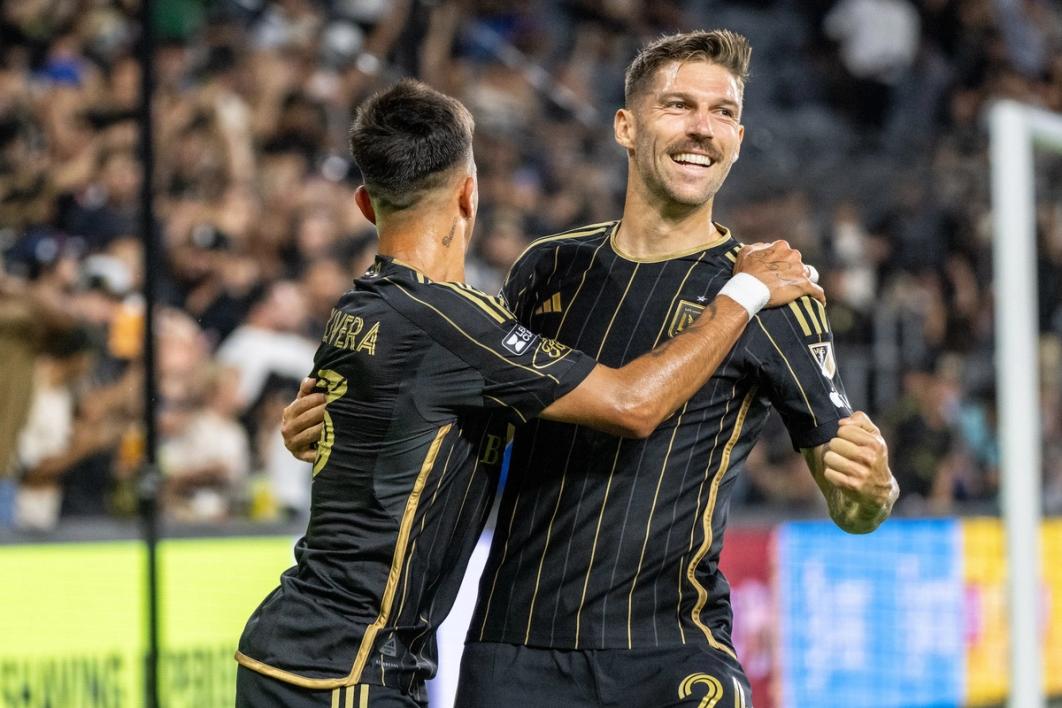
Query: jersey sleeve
{"x":513,"y":369}
{"x":792,"y":347}
{"x":518,"y":290}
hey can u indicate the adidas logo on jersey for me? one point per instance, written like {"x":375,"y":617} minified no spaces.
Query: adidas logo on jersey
{"x":553,"y":305}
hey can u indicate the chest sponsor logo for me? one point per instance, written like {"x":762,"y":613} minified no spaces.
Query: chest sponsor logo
{"x":823,"y":353}
{"x":683,"y":316}
{"x":519,"y":339}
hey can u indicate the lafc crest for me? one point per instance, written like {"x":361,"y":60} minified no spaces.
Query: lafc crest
{"x":684,"y":314}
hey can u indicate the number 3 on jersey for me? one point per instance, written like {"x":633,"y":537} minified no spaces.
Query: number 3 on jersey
{"x":335,"y":387}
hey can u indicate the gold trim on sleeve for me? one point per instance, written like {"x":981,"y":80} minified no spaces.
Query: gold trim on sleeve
{"x":800,"y":318}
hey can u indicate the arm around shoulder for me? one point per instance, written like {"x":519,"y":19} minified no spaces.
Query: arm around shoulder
{"x":633,"y":400}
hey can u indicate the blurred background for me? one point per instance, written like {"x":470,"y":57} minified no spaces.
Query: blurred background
{"x":866,"y":148}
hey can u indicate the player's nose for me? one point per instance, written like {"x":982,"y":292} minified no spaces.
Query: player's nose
{"x":701,"y":124}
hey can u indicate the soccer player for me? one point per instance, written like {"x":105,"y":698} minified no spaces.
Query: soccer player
{"x":603,"y":585}
{"x":410,"y":361}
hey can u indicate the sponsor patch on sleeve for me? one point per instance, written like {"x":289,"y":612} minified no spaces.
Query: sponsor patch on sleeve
{"x":519,"y":339}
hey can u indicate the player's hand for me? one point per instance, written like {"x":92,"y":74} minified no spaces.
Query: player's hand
{"x":857,"y":463}
{"x":302,"y":422}
{"x":778,"y":266}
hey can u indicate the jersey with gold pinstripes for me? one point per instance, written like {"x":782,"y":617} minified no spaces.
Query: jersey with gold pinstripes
{"x":403,"y":480}
{"x":609,"y":543}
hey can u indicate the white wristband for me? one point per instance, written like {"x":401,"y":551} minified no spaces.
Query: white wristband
{"x":747,"y":291}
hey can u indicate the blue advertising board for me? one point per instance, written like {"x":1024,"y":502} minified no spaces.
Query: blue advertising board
{"x":873,"y":621}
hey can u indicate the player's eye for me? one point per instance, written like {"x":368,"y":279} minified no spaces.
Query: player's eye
{"x":676,"y":104}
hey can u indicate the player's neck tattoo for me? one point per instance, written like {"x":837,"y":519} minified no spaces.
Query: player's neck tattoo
{"x":448,"y":238}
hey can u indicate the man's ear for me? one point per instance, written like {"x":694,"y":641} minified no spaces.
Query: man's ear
{"x":741,"y":138}
{"x":364,"y":202}
{"x":468,"y":197}
{"x":623,"y":128}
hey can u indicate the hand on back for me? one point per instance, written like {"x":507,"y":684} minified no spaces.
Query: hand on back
{"x":302,"y":421}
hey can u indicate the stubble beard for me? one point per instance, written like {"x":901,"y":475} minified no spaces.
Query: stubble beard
{"x":654,"y":176}
{"x":666,"y":193}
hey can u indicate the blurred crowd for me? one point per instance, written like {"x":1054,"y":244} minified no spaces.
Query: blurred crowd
{"x":865,"y":147}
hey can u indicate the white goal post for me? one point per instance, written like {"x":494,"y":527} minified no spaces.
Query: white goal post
{"x":1015,"y":130}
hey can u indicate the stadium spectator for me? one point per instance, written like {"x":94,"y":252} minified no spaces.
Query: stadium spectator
{"x":25,"y":326}
{"x":270,"y":341}
{"x":204,"y":454}
{"x":65,"y":433}
{"x":255,"y":187}
{"x":923,"y":444}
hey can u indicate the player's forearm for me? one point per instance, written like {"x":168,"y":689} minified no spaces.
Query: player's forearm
{"x":856,"y":518}
{"x":633,"y":400}
{"x":660,"y":382}
{"x":850,"y":515}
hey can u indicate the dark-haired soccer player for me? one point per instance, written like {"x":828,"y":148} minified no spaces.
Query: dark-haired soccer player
{"x":603,"y":586}
{"x":409,"y":360}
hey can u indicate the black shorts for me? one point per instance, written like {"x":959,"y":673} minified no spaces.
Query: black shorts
{"x":496,"y":675}
{"x":254,"y":690}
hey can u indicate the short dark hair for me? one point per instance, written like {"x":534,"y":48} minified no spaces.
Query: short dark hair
{"x":406,"y":139}
{"x":723,"y":47}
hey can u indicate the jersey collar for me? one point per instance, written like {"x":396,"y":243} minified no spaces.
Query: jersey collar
{"x":724,"y":238}
{"x":382,"y":264}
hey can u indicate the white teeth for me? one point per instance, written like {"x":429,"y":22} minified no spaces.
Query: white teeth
{"x":693,"y":158}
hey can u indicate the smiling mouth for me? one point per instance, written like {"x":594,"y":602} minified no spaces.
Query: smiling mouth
{"x":692,"y":158}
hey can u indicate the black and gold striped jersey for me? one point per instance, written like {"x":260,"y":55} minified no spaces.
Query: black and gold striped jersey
{"x":603,"y":542}
{"x":404,"y":476}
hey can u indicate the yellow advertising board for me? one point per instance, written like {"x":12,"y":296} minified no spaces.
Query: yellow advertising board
{"x":986,"y":619}
{"x":986,"y":610}
{"x":1052,"y":604}
{"x":72,"y":619}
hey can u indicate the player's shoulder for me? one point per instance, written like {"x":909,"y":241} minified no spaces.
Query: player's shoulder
{"x":803,"y":319}
{"x":431,"y":303}
{"x":589,"y":236}
{"x":728,"y":248}
{"x":464,"y":296}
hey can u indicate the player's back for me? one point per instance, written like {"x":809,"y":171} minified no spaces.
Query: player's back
{"x":404,"y":476}
{"x":398,"y":499}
